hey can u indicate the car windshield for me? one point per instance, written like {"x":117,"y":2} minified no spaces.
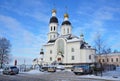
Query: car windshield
{"x":13,"y":67}
{"x":81,"y":66}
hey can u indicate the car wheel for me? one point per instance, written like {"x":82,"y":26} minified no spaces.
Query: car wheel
{"x":3,"y":73}
{"x":76,"y":73}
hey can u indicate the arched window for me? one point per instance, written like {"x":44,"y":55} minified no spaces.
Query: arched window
{"x":54,"y":28}
{"x":51,"y":28}
{"x":68,"y":30}
{"x":63,"y":31}
{"x":50,"y":36}
{"x":60,"y":46}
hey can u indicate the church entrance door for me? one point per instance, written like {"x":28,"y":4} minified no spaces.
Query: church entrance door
{"x":59,"y":59}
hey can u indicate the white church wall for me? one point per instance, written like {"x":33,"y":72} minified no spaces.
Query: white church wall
{"x":75,"y":53}
{"x":49,"y":55}
{"x":85,"y":53}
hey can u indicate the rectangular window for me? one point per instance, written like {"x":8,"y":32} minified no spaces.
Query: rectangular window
{"x":116,"y":59}
{"x":90,"y":57}
{"x":111,"y":59}
{"x":103,"y":60}
{"x":72,"y":50}
{"x":50,"y":58}
{"x":73,"y":58}
{"x":107,"y":60}
{"x":99,"y":60}
{"x":50,"y":51}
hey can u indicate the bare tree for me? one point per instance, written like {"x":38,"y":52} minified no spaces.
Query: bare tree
{"x":101,"y":47}
{"x":107,"y":51}
{"x":99,"y":44}
{"x":4,"y":51}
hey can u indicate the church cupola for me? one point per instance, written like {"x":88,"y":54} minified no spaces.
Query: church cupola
{"x":53,"y":19}
{"x":41,"y":52}
{"x":81,"y":37}
{"x":66,"y":22}
{"x":53,"y":26}
{"x":66,"y":25}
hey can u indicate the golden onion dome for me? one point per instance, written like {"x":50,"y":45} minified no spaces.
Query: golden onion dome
{"x":53,"y":11}
{"x":66,"y":15}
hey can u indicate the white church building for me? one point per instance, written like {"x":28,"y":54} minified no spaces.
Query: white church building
{"x":64,"y":47}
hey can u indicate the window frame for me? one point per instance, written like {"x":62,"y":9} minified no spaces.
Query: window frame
{"x":90,"y":57}
{"x":50,"y":58}
{"x":50,"y":51}
{"x":72,"y":57}
{"x":72,"y":50}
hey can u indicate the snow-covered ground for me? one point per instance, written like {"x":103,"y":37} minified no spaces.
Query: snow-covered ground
{"x":36,"y":72}
{"x":109,"y":75}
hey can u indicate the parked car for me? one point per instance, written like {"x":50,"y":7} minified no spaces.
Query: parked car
{"x":51,"y":69}
{"x":43,"y":68}
{"x":72,"y":68}
{"x":10,"y":70}
{"x":82,"y":69}
{"x":60,"y":67}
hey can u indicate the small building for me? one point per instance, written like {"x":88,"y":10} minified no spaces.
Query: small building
{"x":111,"y":59}
{"x":39,"y":61}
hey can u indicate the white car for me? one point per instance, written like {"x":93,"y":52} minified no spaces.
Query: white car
{"x":11,"y":70}
{"x":60,"y":67}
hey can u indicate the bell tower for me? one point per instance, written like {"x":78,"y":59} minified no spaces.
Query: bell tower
{"x":53,"y":26}
{"x":66,"y":27}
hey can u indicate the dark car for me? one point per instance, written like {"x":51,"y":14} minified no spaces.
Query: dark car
{"x":82,"y":69}
{"x":72,"y":68}
{"x":10,"y":70}
{"x":43,"y":68}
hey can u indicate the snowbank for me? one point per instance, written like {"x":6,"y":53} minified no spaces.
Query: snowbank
{"x":100,"y":77}
{"x":1,"y":71}
{"x":34,"y":72}
{"x":109,"y":75}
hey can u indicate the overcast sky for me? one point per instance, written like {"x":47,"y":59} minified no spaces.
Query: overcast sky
{"x":25,"y":22}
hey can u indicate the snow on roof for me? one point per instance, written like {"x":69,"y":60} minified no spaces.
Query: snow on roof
{"x":110,"y":54}
{"x":73,"y":40}
{"x":48,"y":44}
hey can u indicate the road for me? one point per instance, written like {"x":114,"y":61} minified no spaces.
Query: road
{"x":46,"y":76}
